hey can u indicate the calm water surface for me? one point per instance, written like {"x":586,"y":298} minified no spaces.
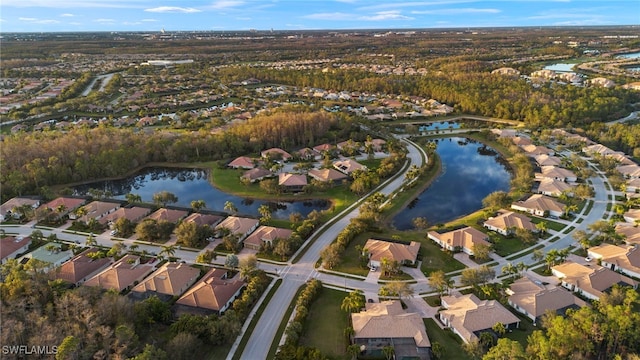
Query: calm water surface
{"x":193,"y":184}
{"x":471,"y":171}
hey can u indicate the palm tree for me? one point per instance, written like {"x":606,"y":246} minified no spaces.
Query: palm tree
{"x":265,"y":212}
{"x":133,"y":198}
{"x":388,"y":351}
{"x":542,"y":227}
{"x":134,"y":247}
{"x":91,"y":240}
{"x":230,"y":207}
{"x":168,"y":250}
{"x":353,"y":350}
{"x":198,"y":205}
{"x":353,"y":302}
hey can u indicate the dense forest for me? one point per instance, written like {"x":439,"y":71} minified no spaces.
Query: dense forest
{"x":34,"y":161}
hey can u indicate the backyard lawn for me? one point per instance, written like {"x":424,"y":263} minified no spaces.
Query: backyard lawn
{"x":505,"y":246}
{"x":451,"y":343}
{"x":325,"y":324}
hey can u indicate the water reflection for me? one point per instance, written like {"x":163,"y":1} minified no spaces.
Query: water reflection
{"x":193,"y":184}
{"x":471,"y":171}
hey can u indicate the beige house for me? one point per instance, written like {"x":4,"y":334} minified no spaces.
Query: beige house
{"x":292,"y":182}
{"x":633,"y":185}
{"x":133,"y":214}
{"x":536,"y":150}
{"x":629,"y":171}
{"x":11,"y":246}
{"x":242,"y":162}
{"x":597,"y":149}
{"x":462,"y":239}
{"x":632,"y":216}
{"x":171,"y":279}
{"x":521,"y":141}
{"x":203,"y":219}
{"x":553,"y":187}
{"x":507,"y":221}
{"x":327,"y":175}
{"x":558,"y":173}
{"x":348,"y":166}
{"x":624,"y":259}
{"x":467,"y":316}
{"x":68,"y":204}
{"x":7,"y":209}
{"x":256,"y":174}
{"x":81,"y":267}
{"x":630,"y":232}
{"x":214,"y":293}
{"x":276,"y":154}
{"x":548,"y":160}
{"x":265,"y":235}
{"x":405,"y":254}
{"x":170,"y":215}
{"x":387,"y":324}
{"x":533,"y":299}
{"x":240,"y":226}
{"x":589,"y":280}
{"x":540,"y":205}
{"x":96,"y":210}
{"x":121,"y":275}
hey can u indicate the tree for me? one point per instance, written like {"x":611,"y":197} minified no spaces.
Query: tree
{"x":330,"y":256}
{"x":231,"y":261}
{"x":400,"y":289}
{"x":198,"y":205}
{"x":496,"y":200}
{"x":537,"y":255}
{"x":163,"y":198}
{"x":582,"y":237}
{"x":265,"y":213}
{"x":542,"y":227}
{"x":499,"y":328}
{"x":439,"y":281}
{"x":353,"y":350}
{"x":420,"y":223}
{"x":206,"y":257}
{"x":526,"y":236}
{"x":69,"y":348}
{"x":150,"y":352}
{"x":473,"y":349}
{"x":506,"y":349}
{"x":353,"y":302}
{"x":168,"y":250}
{"x":388,"y":352}
{"x":248,"y":266}
{"x":481,"y":252}
{"x":133,"y":198}
{"x":230,"y":207}
{"x":91,"y":240}
{"x":282,"y":248}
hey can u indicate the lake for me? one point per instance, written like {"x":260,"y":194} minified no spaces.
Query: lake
{"x":560,"y":67}
{"x":470,"y":172}
{"x":629,"y":56}
{"x":439,"y":125}
{"x":193,"y":184}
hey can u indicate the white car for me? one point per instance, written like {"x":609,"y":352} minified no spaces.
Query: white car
{"x":588,"y":258}
{"x":114,"y":232}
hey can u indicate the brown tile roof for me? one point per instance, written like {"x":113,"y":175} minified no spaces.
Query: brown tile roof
{"x":553,"y":186}
{"x":69,"y":203}
{"x":508,"y":220}
{"x":348,"y":166}
{"x":276,"y":151}
{"x":537,"y":299}
{"x":466,"y":237}
{"x":134,"y":214}
{"x":256,"y":173}
{"x":379,"y":249}
{"x":630,"y":232}
{"x":169,"y":215}
{"x":10,"y":245}
{"x":170,"y":279}
{"x":468,"y":314}
{"x":542,"y":203}
{"x":533,"y":150}
{"x":16,"y":202}
{"x":287,"y":179}
{"x":592,"y":279}
{"x":121,"y":274}
{"x":326,"y":174}
{"x":203,"y":219}
{"x":626,"y":257}
{"x":212,"y":292}
{"x":633,"y":214}
{"x":556,"y":172}
{"x":242,"y":162}
{"x":81,"y":266}
{"x":98,"y":208}
{"x":547,"y":160}
{"x":267,"y":234}
{"x":387,"y":320}
{"x":237,"y":225}
{"x":521,"y":141}
{"x":323,"y":147}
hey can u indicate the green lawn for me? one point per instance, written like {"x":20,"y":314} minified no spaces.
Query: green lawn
{"x":325,"y":324}
{"x":505,"y":246}
{"x":552,"y":225}
{"x":450,"y":342}
{"x":523,"y":331}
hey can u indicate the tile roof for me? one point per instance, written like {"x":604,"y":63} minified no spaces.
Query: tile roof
{"x":81,"y":266}
{"x":327,"y":174}
{"x":537,"y":299}
{"x":69,"y":203}
{"x":121,"y":274}
{"x":169,"y":215}
{"x":170,"y":279}
{"x":9,"y":245}
{"x":592,"y":279}
{"x":629,"y":231}
{"x":553,"y":186}
{"x":267,"y":234}
{"x":203,"y":219}
{"x":244,"y":162}
{"x":348,"y":166}
{"x":276,"y":151}
{"x":133,"y":214}
{"x":387,"y":320}
{"x":466,"y":237}
{"x":379,"y":249}
{"x":508,"y":220}
{"x":16,"y":202}
{"x":626,"y":257}
{"x":542,"y":203}
{"x":256,"y":173}
{"x":237,"y":225}
{"x":212,"y":292}
{"x":287,"y":179}
{"x":556,"y":172}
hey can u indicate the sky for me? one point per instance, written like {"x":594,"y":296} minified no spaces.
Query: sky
{"x":222,"y":15}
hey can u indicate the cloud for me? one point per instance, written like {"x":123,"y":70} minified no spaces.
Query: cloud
{"x":71,"y":4}
{"x":329,"y":16}
{"x":397,"y":5}
{"x":225,"y":4}
{"x":105,"y":21}
{"x":378,"y":16}
{"x":243,"y":18}
{"x":149,"y":20}
{"x":67,"y":15}
{"x":454,"y":11}
{"x":27,"y":19}
{"x":172,"y":9}
{"x":386,"y":15}
{"x":39,"y":21}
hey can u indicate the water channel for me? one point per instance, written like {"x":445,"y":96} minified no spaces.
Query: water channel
{"x":470,"y":172}
{"x":193,"y":184}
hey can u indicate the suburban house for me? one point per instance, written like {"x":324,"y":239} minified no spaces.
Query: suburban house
{"x":13,"y":246}
{"x":323,"y":148}
{"x":95,"y":210}
{"x":507,"y":221}
{"x":624,"y":259}
{"x":547,"y":160}
{"x":633,"y":185}
{"x":240,"y":226}
{"x":307,"y":154}
{"x":404,"y":254}
{"x":597,"y":149}
{"x":533,"y":299}
{"x":590,"y":280}
{"x":276,"y":154}
{"x":51,"y":255}
{"x":66,"y":204}
{"x":460,"y":240}
{"x":540,"y":205}
{"x":133,"y":214}
{"x":292,"y":182}
{"x":171,"y":279}
{"x":503,"y":133}
{"x":630,"y":232}
{"x":327,"y":175}
{"x":169,"y":215}
{"x":536,"y":150}
{"x":214,"y":293}
{"x":7,"y":209}
{"x":203,"y":219}
{"x":376,"y":144}
{"x":521,"y":141}
{"x":265,"y":235}
{"x":242,"y":162}
{"x":256,"y":174}
{"x":387,"y":324}
{"x":348,"y":166}
{"x":629,"y":171}
{"x":558,"y":173}
{"x":468,"y":316}
{"x":121,"y":275}
{"x":553,"y":187}
{"x":632,"y":216}
{"x":81,"y":267}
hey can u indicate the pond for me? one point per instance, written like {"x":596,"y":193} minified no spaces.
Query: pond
{"x":470,"y":172}
{"x":560,"y":67}
{"x":439,"y":125}
{"x":635,"y":55}
{"x":193,"y":184}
